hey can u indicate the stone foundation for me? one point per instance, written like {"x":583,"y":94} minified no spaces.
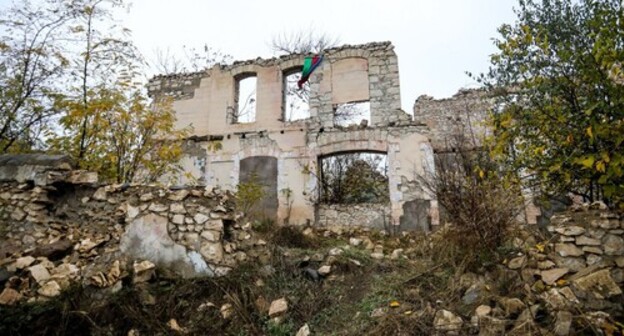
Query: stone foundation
{"x":365,"y":215}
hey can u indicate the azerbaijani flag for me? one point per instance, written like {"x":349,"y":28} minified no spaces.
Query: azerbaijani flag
{"x":310,"y":63}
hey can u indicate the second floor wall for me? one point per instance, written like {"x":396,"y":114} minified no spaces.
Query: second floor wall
{"x":219,"y":100}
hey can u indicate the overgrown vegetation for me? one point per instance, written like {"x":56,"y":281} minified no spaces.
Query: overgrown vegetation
{"x":560,"y":107}
{"x":480,"y":201}
{"x":70,"y":82}
{"x":352,"y":178}
{"x":248,"y":196}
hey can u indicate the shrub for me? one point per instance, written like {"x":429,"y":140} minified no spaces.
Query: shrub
{"x":476,"y":198}
{"x":248,"y":194}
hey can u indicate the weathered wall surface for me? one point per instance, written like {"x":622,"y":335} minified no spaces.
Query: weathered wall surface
{"x":348,"y":74}
{"x":368,"y":215}
{"x":464,"y":113}
{"x":73,"y":229}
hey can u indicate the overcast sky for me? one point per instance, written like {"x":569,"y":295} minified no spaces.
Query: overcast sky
{"x":436,"y":40}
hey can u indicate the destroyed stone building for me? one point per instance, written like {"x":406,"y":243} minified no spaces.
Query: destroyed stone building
{"x":259,"y":134}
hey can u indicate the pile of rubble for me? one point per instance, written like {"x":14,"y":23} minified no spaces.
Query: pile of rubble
{"x":570,"y":282}
{"x":58,"y":228}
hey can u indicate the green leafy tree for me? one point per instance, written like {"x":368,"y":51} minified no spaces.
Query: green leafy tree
{"x":130,"y":140}
{"x":32,"y":60}
{"x":560,"y":112}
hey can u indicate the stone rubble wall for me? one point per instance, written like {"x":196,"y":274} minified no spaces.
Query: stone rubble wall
{"x":75,"y":230}
{"x":579,"y":267}
{"x":345,"y":215}
{"x":464,"y":113}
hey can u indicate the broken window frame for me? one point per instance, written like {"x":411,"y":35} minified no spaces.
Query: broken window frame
{"x":303,"y":95}
{"x":235,"y":113}
{"x":353,"y":118}
{"x":326,"y":196}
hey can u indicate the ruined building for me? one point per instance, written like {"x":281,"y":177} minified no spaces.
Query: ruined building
{"x":269,"y":131}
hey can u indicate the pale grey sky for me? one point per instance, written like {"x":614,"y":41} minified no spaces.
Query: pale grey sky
{"x":436,"y":40}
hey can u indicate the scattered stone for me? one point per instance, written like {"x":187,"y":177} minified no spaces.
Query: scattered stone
{"x":9,"y":296}
{"x":336,"y":251}
{"x":551,"y":276}
{"x":204,"y":306}
{"x":39,"y":273}
{"x":568,"y":250}
{"x":554,"y":299}
{"x":445,"y":320}
{"x":50,"y":289}
{"x":324,"y":270}
{"x":563,"y":323}
{"x":517,"y":262}
{"x":143,"y":271}
{"x":473,"y":294}
{"x":355,"y":241}
{"x":546,"y":264}
{"x":311,"y":274}
{"x":378,"y":312}
{"x":173,"y":325}
{"x":483,"y":310}
{"x":490,"y":326}
{"x":226,"y":311}
{"x":396,"y":254}
{"x":598,"y":205}
{"x":23,"y":262}
{"x":54,"y":251}
{"x":377,"y":255}
{"x":524,"y":328}
{"x":599,"y":283}
{"x":65,"y":271}
{"x":568,"y":294}
{"x":512,"y":306}
{"x":304,"y":331}
{"x":86,"y":245}
{"x":278,"y":307}
{"x":100,"y":194}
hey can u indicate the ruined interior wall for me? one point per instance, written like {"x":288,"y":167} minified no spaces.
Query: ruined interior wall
{"x":383,"y":90}
{"x":465,"y":113}
{"x":407,"y":150}
{"x":347,"y":74}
